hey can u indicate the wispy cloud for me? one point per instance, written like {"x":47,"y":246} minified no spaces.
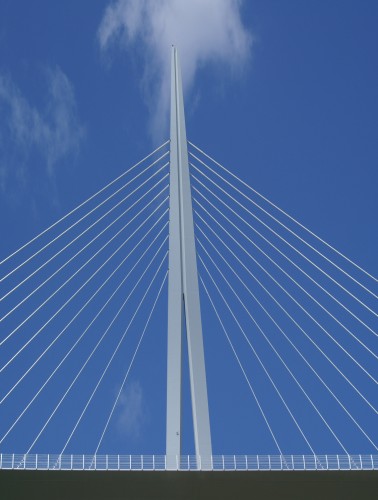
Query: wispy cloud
{"x":205,"y":31}
{"x":131,"y":416}
{"x":35,"y":140}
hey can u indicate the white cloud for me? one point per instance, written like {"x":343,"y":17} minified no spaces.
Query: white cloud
{"x":131,"y":411}
{"x":31,"y":136}
{"x":205,"y":31}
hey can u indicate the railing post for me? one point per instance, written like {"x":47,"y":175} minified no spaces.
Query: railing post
{"x":223,"y":461}
{"x":338,"y":462}
{"x":258,"y":462}
{"x":13,"y":461}
{"x":270,"y":465}
{"x":350,"y":464}
{"x":372,"y":462}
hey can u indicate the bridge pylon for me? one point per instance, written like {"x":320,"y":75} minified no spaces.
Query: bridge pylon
{"x":183,"y":293}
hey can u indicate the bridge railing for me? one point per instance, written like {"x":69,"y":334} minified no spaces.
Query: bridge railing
{"x":187,"y":462}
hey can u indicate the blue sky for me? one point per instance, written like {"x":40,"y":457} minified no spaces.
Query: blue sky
{"x":282,"y":93}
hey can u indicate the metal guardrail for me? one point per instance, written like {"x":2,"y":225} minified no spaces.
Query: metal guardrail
{"x":187,"y":462}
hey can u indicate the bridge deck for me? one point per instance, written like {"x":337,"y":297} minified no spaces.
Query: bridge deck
{"x":16,"y":484}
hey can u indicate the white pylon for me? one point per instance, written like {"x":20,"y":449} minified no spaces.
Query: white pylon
{"x":183,"y":293}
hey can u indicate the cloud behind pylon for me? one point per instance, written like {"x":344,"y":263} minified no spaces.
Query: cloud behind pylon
{"x":205,"y":31}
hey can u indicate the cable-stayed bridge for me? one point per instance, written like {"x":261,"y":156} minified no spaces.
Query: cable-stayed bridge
{"x":179,"y":243}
